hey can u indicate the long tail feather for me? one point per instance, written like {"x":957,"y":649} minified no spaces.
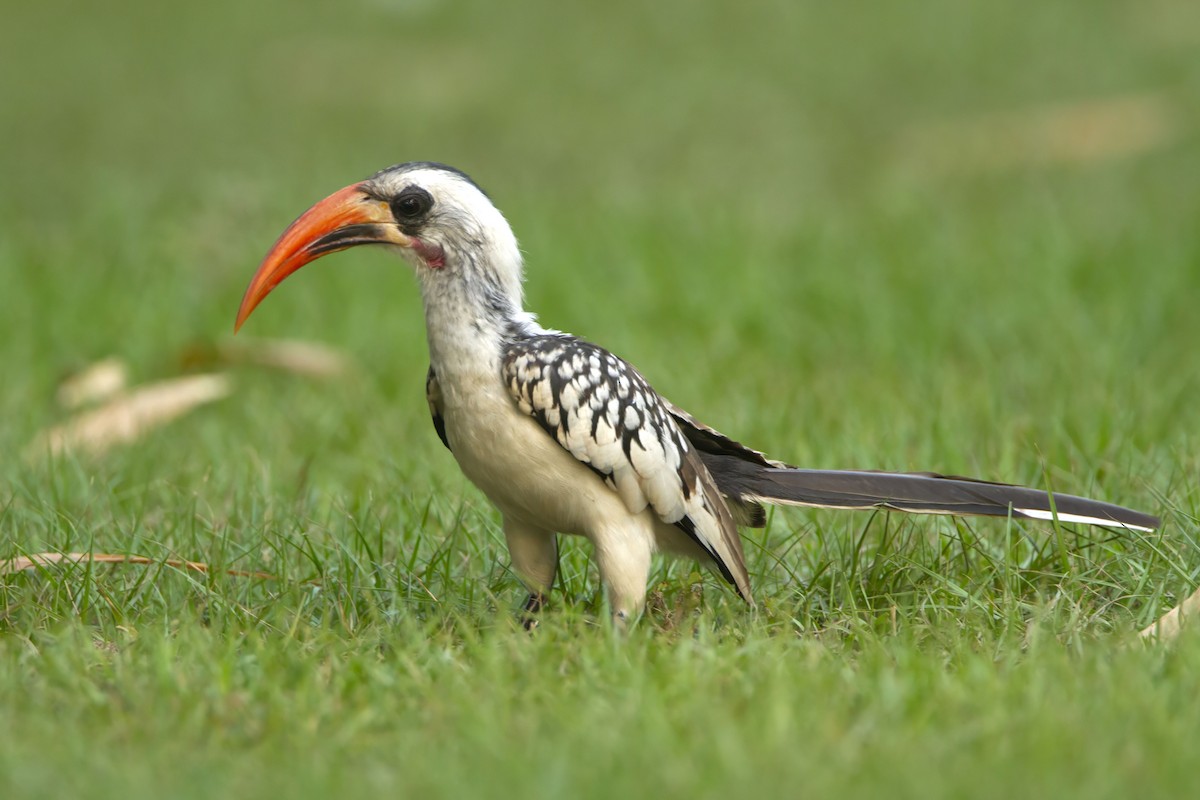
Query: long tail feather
{"x":748,"y":478}
{"x":930,"y":493}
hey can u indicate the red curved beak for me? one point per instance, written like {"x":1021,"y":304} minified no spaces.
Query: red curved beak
{"x":346,"y":218}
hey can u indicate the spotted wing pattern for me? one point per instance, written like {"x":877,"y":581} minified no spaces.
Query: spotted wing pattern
{"x":603,"y":412}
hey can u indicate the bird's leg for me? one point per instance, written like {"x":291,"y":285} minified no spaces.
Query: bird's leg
{"x":623,"y":556}
{"x":534,"y":553}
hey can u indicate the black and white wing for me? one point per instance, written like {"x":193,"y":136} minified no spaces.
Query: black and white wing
{"x":603,"y":412}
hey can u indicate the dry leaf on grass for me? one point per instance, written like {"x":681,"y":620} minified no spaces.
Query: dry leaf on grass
{"x":1171,"y":623}
{"x":20,"y":563}
{"x":1062,"y":133}
{"x":131,"y":415}
{"x":95,"y":382}
{"x":310,"y":359}
{"x":303,"y":358}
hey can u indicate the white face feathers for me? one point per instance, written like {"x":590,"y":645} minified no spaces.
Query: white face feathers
{"x":447,"y":213}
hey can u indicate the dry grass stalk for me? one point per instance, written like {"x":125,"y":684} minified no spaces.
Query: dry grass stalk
{"x":20,"y":563}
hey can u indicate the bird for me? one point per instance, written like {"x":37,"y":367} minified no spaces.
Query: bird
{"x":564,"y":437}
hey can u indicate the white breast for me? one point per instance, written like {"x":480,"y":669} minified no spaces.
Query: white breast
{"x":519,"y":466}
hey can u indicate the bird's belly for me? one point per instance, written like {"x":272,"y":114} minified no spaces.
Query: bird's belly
{"x":524,"y":471}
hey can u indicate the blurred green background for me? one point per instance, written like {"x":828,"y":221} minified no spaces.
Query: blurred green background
{"x":947,"y":236}
{"x":986,"y":208}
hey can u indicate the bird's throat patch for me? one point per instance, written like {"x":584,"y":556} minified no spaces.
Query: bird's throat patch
{"x":432,"y":254}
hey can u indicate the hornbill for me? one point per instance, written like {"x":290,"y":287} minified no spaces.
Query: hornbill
{"x":565,"y":437}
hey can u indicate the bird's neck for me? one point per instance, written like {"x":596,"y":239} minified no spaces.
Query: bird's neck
{"x":468,"y":322}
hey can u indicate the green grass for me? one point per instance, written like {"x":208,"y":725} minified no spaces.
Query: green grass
{"x":756,"y":207}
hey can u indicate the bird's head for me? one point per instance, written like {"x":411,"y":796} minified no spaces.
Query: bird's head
{"x":435,"y":216}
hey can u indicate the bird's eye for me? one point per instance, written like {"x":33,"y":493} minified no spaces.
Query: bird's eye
{"x":411,"y":204}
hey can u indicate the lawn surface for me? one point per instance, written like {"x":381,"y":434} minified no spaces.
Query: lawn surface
{"x":909,"y":237}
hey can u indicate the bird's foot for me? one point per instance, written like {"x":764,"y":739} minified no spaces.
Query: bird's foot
{"x":533,"y":606}
{"x":622,"y":621}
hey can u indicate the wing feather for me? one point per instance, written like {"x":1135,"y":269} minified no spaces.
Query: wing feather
{"x":605,"y":414}
{"x":433,"y":396}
